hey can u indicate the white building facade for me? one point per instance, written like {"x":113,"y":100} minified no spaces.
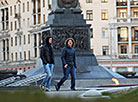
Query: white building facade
{"x":21,"y":22}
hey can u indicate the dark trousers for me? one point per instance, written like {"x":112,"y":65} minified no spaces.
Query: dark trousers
{"x":69,"y":70}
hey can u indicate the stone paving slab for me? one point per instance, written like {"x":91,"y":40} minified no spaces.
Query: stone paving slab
{"x":86,"y":93}
{"x":89,"y":83}
{"x":64,"y":94}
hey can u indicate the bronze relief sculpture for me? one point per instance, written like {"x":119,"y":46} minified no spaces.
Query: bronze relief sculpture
{"x":67,"y":3}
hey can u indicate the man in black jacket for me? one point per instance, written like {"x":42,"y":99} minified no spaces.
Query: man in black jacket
{"x":47,"y":57}
{"x":69,"y":64}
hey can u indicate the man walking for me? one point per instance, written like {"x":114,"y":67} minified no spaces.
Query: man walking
{"x":69,"y":64}
{"x":47,"y":57}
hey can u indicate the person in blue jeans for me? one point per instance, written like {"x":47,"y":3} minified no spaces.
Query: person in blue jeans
{"x":47,"y":57}
{"x":69,"y":64}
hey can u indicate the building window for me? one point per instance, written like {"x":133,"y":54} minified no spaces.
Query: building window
{"x":40,"y":39}
{"x":8,"y":55}
{"x":16,"y":56}
{"x":105,"y":50}
{"x":14,"y":9}
{"x":15,"y":41}
{"x":104,"y":32}
{"x":49,"y":4}
{"x":28,"y":6}
{"x":104,"y":1}
{"x":136,"y":49}
{"x":89,"y":15}
{"x":4,"y":56}
{"x":24,"y":23}
{"x":11,"y":26}
{"x":39,"y":18}
{"x":88,"y":1}
{"x":12,"y":56}
{"x":43,"y":3}
{"x":23,"y":7}
{"x":11,"y":41}
{"x":123,"y":49}
{"x":20,"y":55}
{"x":104,"y":15}
{"x":34,"y":19}
{"x":135,"y":34}
{"x":122,"y":0}
{"x":44,"y":19}
{"x":11,"y":10}
{"x":39,"y":5}
{"x":123,"y":69}
{"x":134,"y":2}
{"x":34,"y":6}
{"x":123,"y":13}
{"x":20,"y":40}
{"x":135,"y":13}
{"x":35,"y":40}
{"x":35,"y":52}
{"x":29,"y":39}
{"x":24,"y":39}
{"x":91,"y":32}
{"x":29,"y":55}
{"x":123,"y":34}
{"x":28,"y":22}
{"x":24,"y":55}
{"x":15,"y":25}
{"x":3,"y":26}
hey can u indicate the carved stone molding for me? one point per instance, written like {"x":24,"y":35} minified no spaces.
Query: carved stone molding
{"x":67,"y":3}
{"x":79,"y":35}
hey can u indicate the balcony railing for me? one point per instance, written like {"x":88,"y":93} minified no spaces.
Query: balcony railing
{"x":121,"y":20}
{"x":135,"y":56}
{"x":123,"y":56}
{"x":121,"y":3}
{"x":121,"y":39}
{"x":134,"y":19}
{"x":134,"y":2}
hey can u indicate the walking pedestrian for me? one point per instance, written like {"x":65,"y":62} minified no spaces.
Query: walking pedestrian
{"x":47,"y":57}
{"x":69,"y":64}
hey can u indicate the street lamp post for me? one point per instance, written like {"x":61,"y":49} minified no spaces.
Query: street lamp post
{"x":110,"y":46}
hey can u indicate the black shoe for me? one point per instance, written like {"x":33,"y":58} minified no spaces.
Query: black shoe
{"x":42,"y":87}
{"x":57,"y":88}
{"x":73,"y":89}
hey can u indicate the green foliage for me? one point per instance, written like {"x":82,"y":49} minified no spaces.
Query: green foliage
{"x":28,"y":95}
{"x":131,"y":96}
{"x":33,"y":95}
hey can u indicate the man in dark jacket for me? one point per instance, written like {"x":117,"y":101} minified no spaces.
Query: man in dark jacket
{"x":47,"y":57}
{"x":69,"y":64}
